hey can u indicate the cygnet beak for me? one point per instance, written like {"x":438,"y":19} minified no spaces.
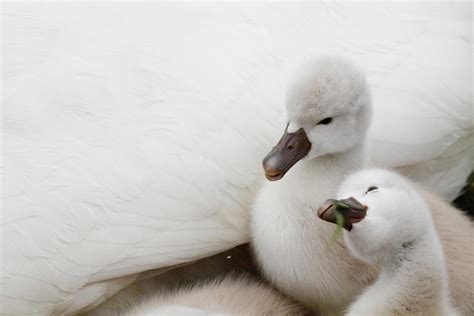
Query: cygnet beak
{"x":351,"y":210}
{"x":289,"y":150}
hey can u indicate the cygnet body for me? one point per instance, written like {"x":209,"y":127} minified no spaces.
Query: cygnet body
{"x":388,"y":224}
{"x":329,"y":112}
{"x":223,"y":296}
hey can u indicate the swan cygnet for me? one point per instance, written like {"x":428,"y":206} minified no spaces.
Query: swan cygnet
{"x":388,"y":224}
{"x":329,"y":113}
{"x":226,"y":296}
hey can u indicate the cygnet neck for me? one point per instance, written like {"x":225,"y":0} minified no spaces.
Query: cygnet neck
{"x":419,"y":262}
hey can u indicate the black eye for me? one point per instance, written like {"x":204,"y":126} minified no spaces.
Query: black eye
{"x":371,"y":188}
{"x":326,"y":121}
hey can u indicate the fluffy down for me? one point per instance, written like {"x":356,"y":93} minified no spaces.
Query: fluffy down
{"x":398,"y":235}
{"x":228,"y":296}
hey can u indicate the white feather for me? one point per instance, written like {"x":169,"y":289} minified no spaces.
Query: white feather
{"x":398,"y":235}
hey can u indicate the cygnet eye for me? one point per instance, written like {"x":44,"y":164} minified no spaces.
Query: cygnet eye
{"x":371,"y":188}
{"x":326,"y":121}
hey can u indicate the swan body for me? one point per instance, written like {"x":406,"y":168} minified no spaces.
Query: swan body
{"x":228,"y":296}
{"x":134,"y":141}
{"x":293,"y":250}
{"x":397,"y":234}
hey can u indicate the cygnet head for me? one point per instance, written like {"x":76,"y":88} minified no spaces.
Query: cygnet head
{"x":328,"y":109}
{"x":382,"y":214}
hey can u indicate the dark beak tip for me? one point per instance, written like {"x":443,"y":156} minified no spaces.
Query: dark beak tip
{"x":351,"y":209}
{"x":324,"y":208}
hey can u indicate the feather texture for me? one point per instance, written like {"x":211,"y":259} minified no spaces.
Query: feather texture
{"x":133,"y":133}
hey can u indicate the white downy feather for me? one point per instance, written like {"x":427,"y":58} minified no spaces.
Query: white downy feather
{"x":398,"y":235}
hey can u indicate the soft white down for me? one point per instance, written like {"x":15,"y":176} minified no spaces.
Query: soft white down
{"x":293,"y":250}
{"x":230,"y":295}
{"x":398,"y":235}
